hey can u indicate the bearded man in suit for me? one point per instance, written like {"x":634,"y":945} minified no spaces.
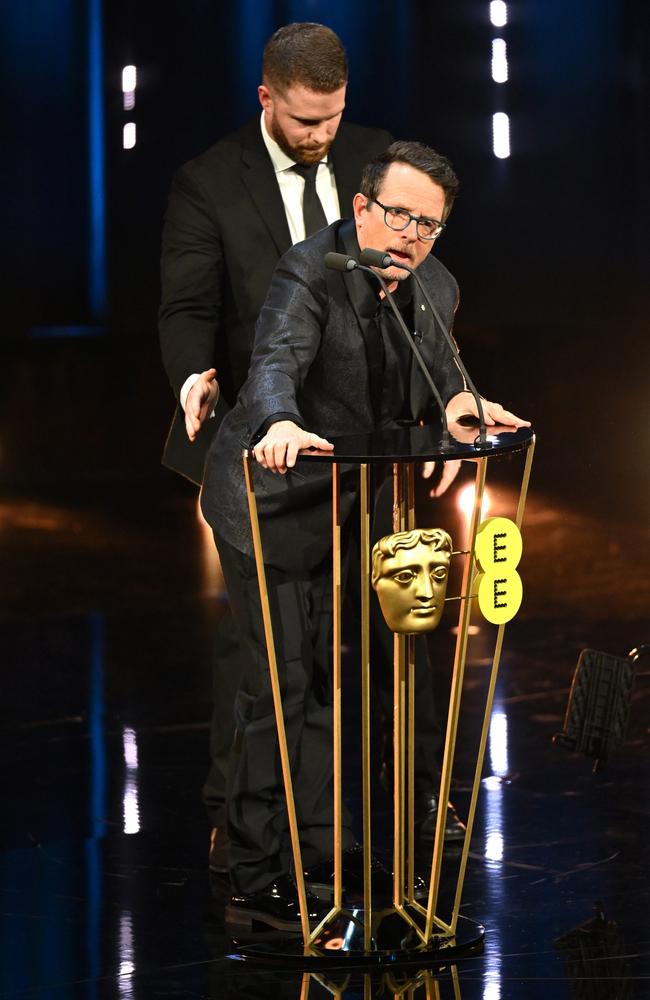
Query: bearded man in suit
{"x":328,"y":360}
{"x":232,"y":213}
{"x":236,"y":209}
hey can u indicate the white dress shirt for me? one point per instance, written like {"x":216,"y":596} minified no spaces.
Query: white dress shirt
{"x":291,"y":187}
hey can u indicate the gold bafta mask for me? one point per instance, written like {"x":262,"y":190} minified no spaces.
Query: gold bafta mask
{"x":409,"y":573}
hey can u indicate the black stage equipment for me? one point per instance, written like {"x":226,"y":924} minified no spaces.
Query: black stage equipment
{"x":598,"y":709}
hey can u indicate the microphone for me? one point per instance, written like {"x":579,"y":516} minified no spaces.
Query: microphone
{"x":340,"y":262}
{"x":377,"y":258}
{"x":343,"y":262}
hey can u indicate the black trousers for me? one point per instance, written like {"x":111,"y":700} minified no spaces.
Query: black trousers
{"x":228,"y":655}
{"x":257,"y":823}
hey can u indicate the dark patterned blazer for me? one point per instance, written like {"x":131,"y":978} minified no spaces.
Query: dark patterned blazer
{"x":225,"y":230}
{"x":313,"y":361}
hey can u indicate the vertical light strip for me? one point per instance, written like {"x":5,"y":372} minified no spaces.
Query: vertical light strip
{"x":499,"y":61}
{"x":129,"y":78}
{"x":129,"y":82}
{"x":499,"y":743}
{"x":500,"y":74}
{"x":130,"y":798}
{"x":501,"y":135}
{"x":96,"y":153}
{"x":498,"y":13}
{"x":128,"y":135}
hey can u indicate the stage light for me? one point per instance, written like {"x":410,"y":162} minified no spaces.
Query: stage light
{"x":465,"y":501}
{"x":501,"y":135}
{"x":498,"y":13}
{"x":499,"y":61}
{"x":129,"y":82}
{"x":130,"y":748}
{"x":128,"y":135}
{"x":130,"y":798}
{"x":131,"y":807}
{"x":499,"y":743}
{"x":129,"y":78}
{"x":500,"y":74}
{"x":498,"y":750}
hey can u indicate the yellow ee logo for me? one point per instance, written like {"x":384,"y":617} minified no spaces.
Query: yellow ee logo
{"x":498,"y":586}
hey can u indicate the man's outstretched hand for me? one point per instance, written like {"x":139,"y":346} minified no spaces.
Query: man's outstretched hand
{"x":279,"y":447}
{"x":201,"y":401}
{"x":464,"y":404}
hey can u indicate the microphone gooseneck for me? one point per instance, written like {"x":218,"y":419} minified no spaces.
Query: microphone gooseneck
{"x":378,"y":258}
{"x":343,"y":262}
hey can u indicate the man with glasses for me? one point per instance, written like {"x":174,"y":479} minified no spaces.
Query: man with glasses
{"x":328,"y":360}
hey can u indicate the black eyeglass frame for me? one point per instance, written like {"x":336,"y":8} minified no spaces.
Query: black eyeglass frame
{"x":417,"y":219}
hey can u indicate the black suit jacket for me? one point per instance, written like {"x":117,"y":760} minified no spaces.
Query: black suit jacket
{"x":311,"y":362}
{"x":225,"y":230}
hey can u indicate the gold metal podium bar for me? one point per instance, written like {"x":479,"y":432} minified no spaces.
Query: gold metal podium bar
{"x":336,"y":686}
{"x":496,"y":661}
{"x":364,"y":483}
{"x":277,"y":697}
{"x":454,"y":699}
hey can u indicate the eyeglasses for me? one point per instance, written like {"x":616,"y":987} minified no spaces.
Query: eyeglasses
{"x":399,"y":219}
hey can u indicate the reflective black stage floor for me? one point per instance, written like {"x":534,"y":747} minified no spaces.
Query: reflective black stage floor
{"x":105,"y":634}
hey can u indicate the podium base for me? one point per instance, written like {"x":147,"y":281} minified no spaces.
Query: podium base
{"x":342,"y":943}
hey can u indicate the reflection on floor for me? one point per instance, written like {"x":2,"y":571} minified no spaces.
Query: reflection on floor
{"x":107,"y":617}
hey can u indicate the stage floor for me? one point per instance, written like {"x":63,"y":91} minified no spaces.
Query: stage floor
{"x":107,"y":614}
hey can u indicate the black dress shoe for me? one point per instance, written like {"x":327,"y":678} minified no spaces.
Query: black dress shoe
{"x":426,"y":817}
{"x":218,"y":856}
{"x":320,"y":877}
{"x":276,"y":905}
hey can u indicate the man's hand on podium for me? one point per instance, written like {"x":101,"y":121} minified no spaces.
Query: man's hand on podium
{"x":463,"y":404}
{"x":201,"y":401}
{"x":279,"y":447}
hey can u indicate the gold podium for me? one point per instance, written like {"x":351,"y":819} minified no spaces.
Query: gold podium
{"x":408,"y":930}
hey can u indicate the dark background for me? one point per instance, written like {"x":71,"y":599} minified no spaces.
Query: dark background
{"x":550,"y":246}
{"x":108,"y":587}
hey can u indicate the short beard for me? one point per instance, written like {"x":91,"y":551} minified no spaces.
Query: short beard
{"x":300,"y":155}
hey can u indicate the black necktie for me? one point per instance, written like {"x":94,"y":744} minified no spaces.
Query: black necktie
{"x":312,"y":208}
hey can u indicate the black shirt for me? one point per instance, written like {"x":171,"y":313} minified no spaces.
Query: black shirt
{"x":397,"y":355}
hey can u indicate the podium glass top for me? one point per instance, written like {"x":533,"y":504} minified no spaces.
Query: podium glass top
{"x":419,"y":444}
